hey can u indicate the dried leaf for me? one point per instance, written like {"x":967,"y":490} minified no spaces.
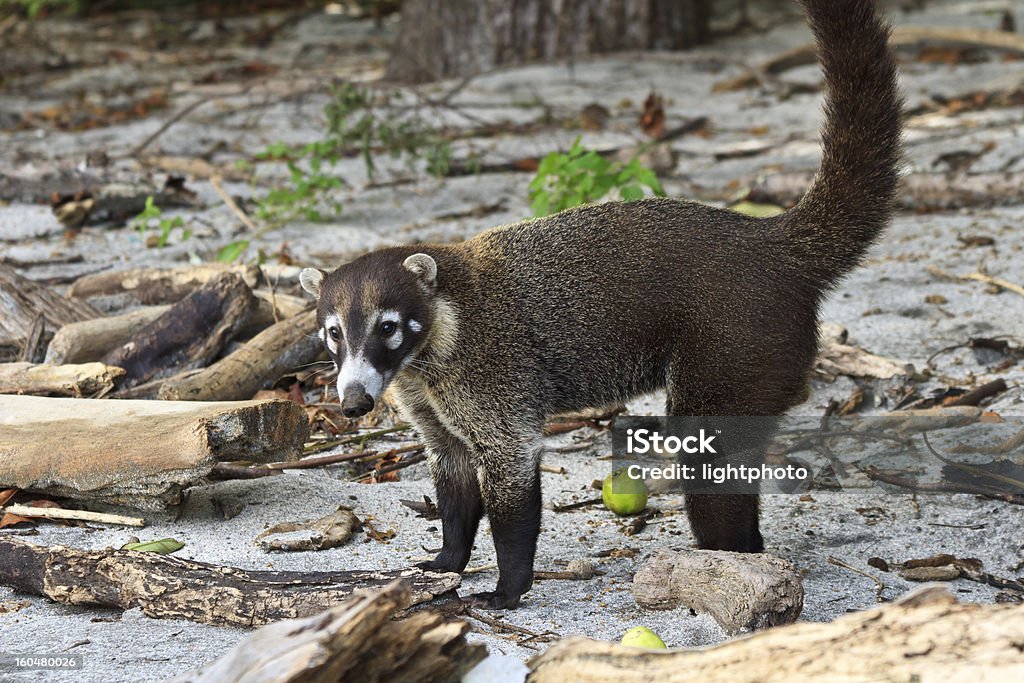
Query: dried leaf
{"x":652,"y":120}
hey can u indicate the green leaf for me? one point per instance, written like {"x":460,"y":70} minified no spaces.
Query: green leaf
{"x":230,"y":253}
{"x":165,"y":546}
{"x":631,"y":193}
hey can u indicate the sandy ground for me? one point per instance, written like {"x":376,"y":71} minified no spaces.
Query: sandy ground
{"x":883,"y":305}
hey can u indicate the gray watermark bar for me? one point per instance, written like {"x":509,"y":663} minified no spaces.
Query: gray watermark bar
{"x":954,"y":452}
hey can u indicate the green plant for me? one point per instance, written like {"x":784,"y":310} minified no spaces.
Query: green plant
{"x":230,"y":253}
{"x":153,"y":214}
{"x":581,"y":176}
{"x":32,"y":8}
{"x":353,"y":126}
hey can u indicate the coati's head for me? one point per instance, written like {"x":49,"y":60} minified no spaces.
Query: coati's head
{"x":374,"y":314}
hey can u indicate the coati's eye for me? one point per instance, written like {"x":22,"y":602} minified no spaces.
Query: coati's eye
{"x":335,"y":333}
{"x":387,"y":328}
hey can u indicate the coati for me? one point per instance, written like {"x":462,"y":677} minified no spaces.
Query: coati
{"x":480,"y":341}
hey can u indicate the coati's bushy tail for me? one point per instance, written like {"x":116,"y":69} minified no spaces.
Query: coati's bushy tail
{"x":850,"y":201}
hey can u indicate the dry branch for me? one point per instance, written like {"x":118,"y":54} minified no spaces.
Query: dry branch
{"x":137,"y":453}
{"x":926,"y":636}
{"x":258,"y":364}
{"x":356,"y":640}
{"x":167,"y":587}
{"x":188,"y":335}
{"x":113,"y":290}
{"x":86,"y":379}
{"x":22,"y":301}
{"x":918,"y":191}
{"x":78,"y":515}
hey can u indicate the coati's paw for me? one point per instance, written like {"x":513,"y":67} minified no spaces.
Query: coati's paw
{"x":492,"y":600}
{"x":441,"y":564}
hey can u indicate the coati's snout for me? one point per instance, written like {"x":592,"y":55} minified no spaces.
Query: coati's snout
{"x":355,"y":402}
{"x":374,"y":315}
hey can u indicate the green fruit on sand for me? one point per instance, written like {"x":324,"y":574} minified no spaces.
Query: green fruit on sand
{"x":624,"y":495}
{"x":641,"y":636}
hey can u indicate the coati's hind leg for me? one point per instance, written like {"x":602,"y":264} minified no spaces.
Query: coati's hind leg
{"x":718,"y":521}
{"x":458,"y":492}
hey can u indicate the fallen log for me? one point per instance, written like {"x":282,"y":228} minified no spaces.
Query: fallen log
{"x":272,"y":353}
{"x":740,"y":591}
{"x":114,"y":290}
{"x":918,"y":191}
{"x":190,"y":334}
{"x":87,"y":379}
{"x":356,"y":640}
{"x":142,"y":454}
{"x":90,"y":340}
{"x":925,"y":636}
{"x":22,"y":301}
{"x":167,"y":587}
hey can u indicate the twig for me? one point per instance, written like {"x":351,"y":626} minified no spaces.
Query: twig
{"x":941,"y":487}
{"x":878,"y":583}
{"x":401,"y":465}
{"x":979,"y":277}
{"x":179,"y":115}
{"x":235,"y":208}
{"x":323,"y":460}
{"x":577,"y":505}
{"x":78,"y":515}
{"x":505,"y":626}
{"x":979,"y":394}
{"x":361,"y":438}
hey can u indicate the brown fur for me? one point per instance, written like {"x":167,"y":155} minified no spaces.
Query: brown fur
{"x":603,"y":303}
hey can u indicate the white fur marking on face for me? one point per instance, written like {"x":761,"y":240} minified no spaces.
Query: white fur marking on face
{"x":391,"y":317}
{"x":358,"y":370}
{"x":395,"y":340}
{"x":332,"y":321}
{"x":415,"y":325}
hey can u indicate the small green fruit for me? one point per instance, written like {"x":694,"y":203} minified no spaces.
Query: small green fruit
{"x":623,"y":494}
{"x":641,"y":636}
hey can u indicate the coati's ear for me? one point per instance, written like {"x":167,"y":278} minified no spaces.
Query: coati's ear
{"x":310,"y":278}
{"x":422,"y":266}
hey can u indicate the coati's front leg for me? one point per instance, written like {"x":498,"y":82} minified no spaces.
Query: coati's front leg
{"x":458,"y":492}
{"x":510,"y":484}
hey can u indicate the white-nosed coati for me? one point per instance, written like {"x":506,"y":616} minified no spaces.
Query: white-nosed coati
{"x":482,"y":340}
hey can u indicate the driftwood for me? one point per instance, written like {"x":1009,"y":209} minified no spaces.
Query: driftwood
{"x":188,"y":335}
{"x":87,"y":379}
{"x":137,"y":453}
{"x":841,"y":359}
{"x":90,"y":340}
{"x":919,"y":191}
{"x":902,"y":36}
{"x":926,"y":636}
{"x":258,"y":364}
{"x":22,"y":301}
{"x":114,"y":290}
{"x":355,"y":641}
{"x":166,"y":587}
{"x":740,"y":591}
{"x":33,"y":511}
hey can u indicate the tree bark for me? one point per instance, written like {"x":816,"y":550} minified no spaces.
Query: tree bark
{"x":86,"y":379}
{"x":449,"y":38}
{"x":926,"y":636}
{"x":355,"y":641}
{"x":115,"y":290}
{"x":142,"y":454}
{"x":22,"y":301}
{"x":190,"y":334}
{"x":277,"y":350}
{"x":167,"y":587}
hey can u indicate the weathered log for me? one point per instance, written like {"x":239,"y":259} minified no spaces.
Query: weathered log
{"x":137,"y":453}
{"x":114,"y":290}
{"x":258,"y":364}
{"x":22,"y":301}
{"x":740,"y":591}
{"x":87,"y":379}
{"x":90,"y":340}
{"x":167,"y":587}
{"x":355,"y":641}
{"x":188,"y":335}
{"x":841,"y":359}
{"x":926,"y":636}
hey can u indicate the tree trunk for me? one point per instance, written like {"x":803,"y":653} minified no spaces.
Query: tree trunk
{"x":450,"y":38}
